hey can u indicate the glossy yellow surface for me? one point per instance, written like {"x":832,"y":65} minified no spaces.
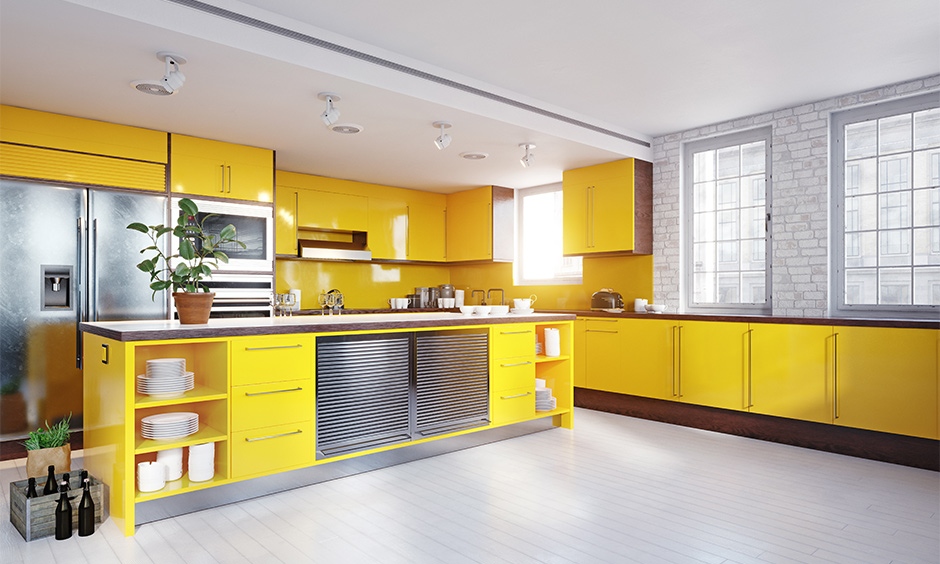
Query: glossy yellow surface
{"x":426,"y":231}
{"x":604,"y":355}
{"x":388,"y":229}
{"x":514,"y":404}
{"x":511,"y":373}
{"x":213,"y":168}
{"x":886,"y":380}
{"x":512,"y":340}
{"x":579,"y":344}
{"x":650,"y":365}
{"x":791,"y":369}
{"x":470,"y":225}
{"x":332,"y":211}
{"x":713,"y":364}
{"x":285,"y":221}
{"x":47,"y":164}
{"x":275,"y":358}
{"x":272,"y":403}
{"x":598,"y":208}
{"x":272,"y":448}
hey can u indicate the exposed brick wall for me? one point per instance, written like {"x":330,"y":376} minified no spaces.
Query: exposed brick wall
{"x":800,"y":196}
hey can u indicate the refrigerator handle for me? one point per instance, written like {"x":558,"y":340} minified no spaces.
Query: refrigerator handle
{"x":93,"y":312}
{"x":80,"y":305}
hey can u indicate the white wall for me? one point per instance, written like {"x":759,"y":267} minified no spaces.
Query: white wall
{"x":800,"y":194}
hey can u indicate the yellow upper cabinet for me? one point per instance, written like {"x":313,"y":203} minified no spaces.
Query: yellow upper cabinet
{"x":480,"y":225}
{"x":426,"y":231}
{"x":886,"y":380}
{"x":202,"y":167}
{"x":68,"y":149}
{"x":285,"y":221}
{"x":791,"y":369}
{"x":332,"y":211}
{"x":608,"y":208}
{"x":388,"y":229}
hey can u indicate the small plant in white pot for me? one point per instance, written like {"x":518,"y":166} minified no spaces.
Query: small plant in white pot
{"x":198,"y":254}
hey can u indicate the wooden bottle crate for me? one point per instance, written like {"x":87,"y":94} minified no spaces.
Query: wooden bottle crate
{"x":35,"y":517}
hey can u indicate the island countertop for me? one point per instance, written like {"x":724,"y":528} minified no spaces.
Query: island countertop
{"x":152,"y":330}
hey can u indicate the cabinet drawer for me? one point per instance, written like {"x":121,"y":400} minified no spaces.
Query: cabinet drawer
{"x":513,"y":340}
{"x":511,"y":373}
{"x":272,"y":359}
{"x":275,"y":403}
{"x":512,"y":405}
{"x":272,"y":448}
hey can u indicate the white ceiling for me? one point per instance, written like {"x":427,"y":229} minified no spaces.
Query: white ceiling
{"x":638,"y":69}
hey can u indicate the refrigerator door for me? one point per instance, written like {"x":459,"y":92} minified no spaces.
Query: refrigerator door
{"x":117,"y":289}
{"x":40,"y":306}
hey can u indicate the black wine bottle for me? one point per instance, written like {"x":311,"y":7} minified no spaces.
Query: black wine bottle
{"x":65,"y":482}
{"x":86,"y":511}
{"x":50,"y":487}
{"x":31,"y":488}
{"x":84,"y":475}
{"x":63,"y":517}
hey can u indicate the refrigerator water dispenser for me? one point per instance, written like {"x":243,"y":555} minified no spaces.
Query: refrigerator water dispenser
{"x":56,"y":292}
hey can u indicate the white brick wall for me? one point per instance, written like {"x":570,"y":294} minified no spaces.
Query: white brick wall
{"x":800,"y":194}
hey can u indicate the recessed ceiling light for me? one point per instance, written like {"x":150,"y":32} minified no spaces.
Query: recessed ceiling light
{"x":473,"y":156}
{"x":346,"y":128}
{"x":172,"y":79}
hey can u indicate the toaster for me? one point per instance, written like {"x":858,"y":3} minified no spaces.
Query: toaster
{"x":606,"y":299}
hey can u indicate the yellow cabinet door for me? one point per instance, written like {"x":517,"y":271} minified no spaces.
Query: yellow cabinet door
{"x":603,"y":363}
{"x":202,"y":167}
{"x":886,"y":380}
{"x":388,"y":229}
{"x":712,"y":367}
{"x":273,"y":403}
{"x":511,"y":373}
{"x":612,"y":214}
{"x":285,"y":221}
{"x":332,"y":211}
{"x":426,"y":231}
{"x":791,"y":369}
{"x":250,"y":173}
{"x":650,"y":363}
{"x":259,"y":451}
{"x":508,"y":406}
{"x":580,"y":373}
{"x":470,"y":225}
{"x":258,"y":360}
{"x":512,"y":340}
{"x":599,"y":208}
{"x":575,"y":216}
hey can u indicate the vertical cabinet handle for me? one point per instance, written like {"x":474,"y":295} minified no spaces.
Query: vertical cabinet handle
{"x":296,"y":216}
{"x":489,"y":208}
{"x":407,"y":231}
{"x":445,"y":233}
{"x":676,"y":363}
{"x":80,"y":308}
{"x":590,"y":213}
{"x":835,"y":375}
{"x":229,"y":167}
{"x":222,"y":184}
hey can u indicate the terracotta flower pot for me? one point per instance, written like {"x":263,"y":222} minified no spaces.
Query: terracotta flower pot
{"x":193,"y":307}
{"x":38,"y":461}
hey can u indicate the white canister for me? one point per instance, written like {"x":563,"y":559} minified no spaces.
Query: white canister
{"x":639,"y":305}
{"x":458,"y":298}
{"x":173,"y":459}
{"x":296,"y":293}
{"x":201,"y":462}
{"x":151,"y":476}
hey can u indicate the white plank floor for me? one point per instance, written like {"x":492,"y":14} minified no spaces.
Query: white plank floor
{"x":615,"y":489}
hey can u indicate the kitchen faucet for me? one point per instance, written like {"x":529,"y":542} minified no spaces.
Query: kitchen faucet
{"x":482,"y":300}
{"x":502,"y":294}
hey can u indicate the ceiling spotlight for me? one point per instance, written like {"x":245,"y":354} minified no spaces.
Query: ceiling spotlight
{"x":443,"y":140}
{"x":527,"y":159}
{"x":330,"y":115}
{"x":172,"y":79}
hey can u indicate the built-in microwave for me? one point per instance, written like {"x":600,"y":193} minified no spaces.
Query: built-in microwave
{"x":254,"y":226}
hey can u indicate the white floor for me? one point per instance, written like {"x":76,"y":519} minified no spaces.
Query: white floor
{"x":615,"y":489}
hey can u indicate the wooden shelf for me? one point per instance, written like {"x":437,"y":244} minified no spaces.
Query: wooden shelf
{"x":180,"y":486}
{"x":205,"y":435}
{"x":542,"y":358}
{"x":197,"y":394}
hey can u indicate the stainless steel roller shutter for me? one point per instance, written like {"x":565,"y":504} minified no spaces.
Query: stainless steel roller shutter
{"x":452,"y":382}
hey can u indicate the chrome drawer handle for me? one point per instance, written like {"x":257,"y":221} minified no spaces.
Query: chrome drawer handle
{"x":271,"y":348}
{"x":247,"y":440}
{"x":599,"y":331}
{"x":273,"y":392}
{"x":516,"y":364}
{"x":516,"y":396}
{"x":514,"y":332}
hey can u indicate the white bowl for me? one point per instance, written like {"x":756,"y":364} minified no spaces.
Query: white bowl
{"x":482,"y":310}
{"x":655,"y":308}
{"x":499,"y":310}
{"x":467,"y":310}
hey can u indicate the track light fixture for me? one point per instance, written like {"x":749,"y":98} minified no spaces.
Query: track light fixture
{"x":443,"y":140}
{"x":330,"y":115}
{"x":527,"y":159}
{"x":172,"y":79}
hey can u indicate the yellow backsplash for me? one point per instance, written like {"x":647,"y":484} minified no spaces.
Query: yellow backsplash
{"x":369,"y":285}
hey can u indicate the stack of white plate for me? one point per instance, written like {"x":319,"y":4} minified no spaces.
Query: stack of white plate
{"x":166,"y":378}
{"x":201,"y":462}
{"x":169,"y":426}
{"x":539,"y":348}
{"x":544,"y":401}
{"x":173,"y":459}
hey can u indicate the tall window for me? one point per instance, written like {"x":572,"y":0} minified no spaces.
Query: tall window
{"x":886,"y":208}
{"x":727,"y":211}
{"x":539,"y":235}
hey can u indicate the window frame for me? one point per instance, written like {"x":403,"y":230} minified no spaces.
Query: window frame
{"x":837,"y":194}
{"x":689,"y":149}
{"x":518,"y":264}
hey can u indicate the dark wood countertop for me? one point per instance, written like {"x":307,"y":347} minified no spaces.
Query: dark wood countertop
{"x":158,"y":330}
{"x":836,"y":321}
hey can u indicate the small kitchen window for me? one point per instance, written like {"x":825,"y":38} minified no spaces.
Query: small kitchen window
{"x":539,"y":254}
{"x":886,"y":209}
{"x":726,"y":209}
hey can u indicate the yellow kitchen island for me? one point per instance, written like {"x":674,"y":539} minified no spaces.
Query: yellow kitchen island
{"x":278,"y":396}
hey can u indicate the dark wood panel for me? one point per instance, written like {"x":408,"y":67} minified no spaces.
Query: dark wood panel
{"x":643,"y":207}
{"x":504,"y":215}
{"x":885,"y":447}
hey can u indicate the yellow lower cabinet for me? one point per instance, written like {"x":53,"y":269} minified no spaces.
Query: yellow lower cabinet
{"x":263,"y":405}
{"x":650,"y":357}
{"x":791,"y":368}
{"x":510,"y":373}
{"x":712,"y":366}
{"x":886,"y":380}
{"x":580,"y":375}
{"x":603,"y":352}
{"x":514,"y":404}
{"x":268,"y":449}
{"x":257,"y":360}
{"x":512,"y":340}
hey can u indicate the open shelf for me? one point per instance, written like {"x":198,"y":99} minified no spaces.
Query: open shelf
{"x":543,"y":358}
{"x":197,"y":394}
{"x":180,"y":486}
{"x":206,"y":434}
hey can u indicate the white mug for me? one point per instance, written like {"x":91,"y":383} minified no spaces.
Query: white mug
{"x":522,"y":303}
{"x":446,"y":303}
{"x":639,"y":305}
{"x":398,"y":303}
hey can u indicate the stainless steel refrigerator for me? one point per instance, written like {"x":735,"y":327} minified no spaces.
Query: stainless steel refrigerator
{"x":65,"y":257}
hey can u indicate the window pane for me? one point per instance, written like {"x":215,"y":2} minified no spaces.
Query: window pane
{"x":705,"y":287}
{"x":753,"y":253}
{"x":729,"y":161}
{"x":893,"y":174}
{"x":927,"y":286}
{"x":728,"y":194}
{"x":927,"y":168}
{"x":895,"y":247}
{"x":861,"y":286}
{"x":894,"y":286}
{"x":728,"y":288}
{"x":926,"y":207}
{"x":894,"y":134}
{"x":927,"y":128}
{"x":539,"y":256}
{"x":753,"y":191}
{"x":861,"y":213}
{"x":704,"y":166}
{"x":752,"y":223}
{"x":704,"y":259}
{"x":861,"y":139}
{"x":752,"y":288}
{"x":704,"y":226}
{"x":895,"y":210}
{"x":728,"y":256}
{"x":927,"y":246}
{"x":861,"y":249}
{"x":704,"y":197}
{"x":727,"y":225}
{"x":753,"y":158}
{"x":861,"y":177}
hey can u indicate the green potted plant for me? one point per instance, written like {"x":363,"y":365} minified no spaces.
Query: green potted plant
{"x":198,"y":254}
{"x":49,"y":447}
